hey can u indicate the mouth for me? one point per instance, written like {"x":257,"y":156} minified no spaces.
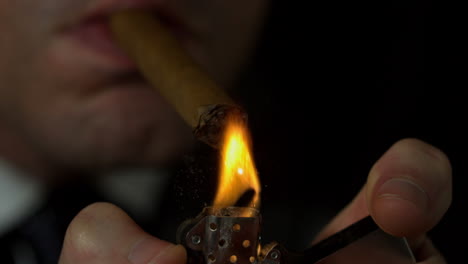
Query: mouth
{"x":91,"y":34}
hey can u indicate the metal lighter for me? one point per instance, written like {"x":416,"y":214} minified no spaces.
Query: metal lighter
{"x":232,"y":235}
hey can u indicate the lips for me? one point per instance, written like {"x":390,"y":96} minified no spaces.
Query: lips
{"x":92,"y":33}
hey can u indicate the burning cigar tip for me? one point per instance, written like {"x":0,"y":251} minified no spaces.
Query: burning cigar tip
{"x":168,"y":68}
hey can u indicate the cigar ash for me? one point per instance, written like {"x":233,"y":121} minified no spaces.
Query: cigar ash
{"x":212,"y":121}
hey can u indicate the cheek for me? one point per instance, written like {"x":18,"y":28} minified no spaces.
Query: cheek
{"x":22,"y":41}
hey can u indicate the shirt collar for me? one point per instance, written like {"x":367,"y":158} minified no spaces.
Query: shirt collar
{"x":20,"y":196}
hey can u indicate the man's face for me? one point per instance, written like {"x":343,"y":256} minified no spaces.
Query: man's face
{"x":72,"y":94}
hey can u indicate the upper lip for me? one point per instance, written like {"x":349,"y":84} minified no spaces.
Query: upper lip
{"x":104,"y":8}
{"x":107,"y":7}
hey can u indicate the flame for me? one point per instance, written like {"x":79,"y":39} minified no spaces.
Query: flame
{"x":238,"y":173}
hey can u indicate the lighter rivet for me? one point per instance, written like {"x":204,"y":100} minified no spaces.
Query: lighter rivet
{"x":196,"y":239}
{"x":211,"y":258}
{"x":222,"y":243}
{"x":274,"y":254}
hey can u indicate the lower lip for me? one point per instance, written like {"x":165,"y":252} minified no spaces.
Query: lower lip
{"x":95,"y":36}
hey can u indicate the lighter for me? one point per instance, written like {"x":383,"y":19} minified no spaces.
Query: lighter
{"x":225,"y":234}
{"x":231,"y":235}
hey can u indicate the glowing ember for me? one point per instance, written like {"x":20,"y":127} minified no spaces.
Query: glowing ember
{"x":238,"y":173}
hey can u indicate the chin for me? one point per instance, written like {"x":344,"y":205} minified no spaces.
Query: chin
{"x":110,"y":133}
{"x":152,"y":146}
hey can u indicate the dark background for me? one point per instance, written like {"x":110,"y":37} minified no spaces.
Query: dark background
{"x":347,"y":80}
{"x":333,"y":86}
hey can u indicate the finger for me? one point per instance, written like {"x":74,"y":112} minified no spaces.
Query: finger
{"x":410,"y":188}
{"x":428,"y":253}
{"x":353,"y":212}
{"x":103,"y":233}
{"x":402,"y":210}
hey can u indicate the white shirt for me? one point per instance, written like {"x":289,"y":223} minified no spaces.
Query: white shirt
{"x":20,"y":196}
{"x":138,"y":190}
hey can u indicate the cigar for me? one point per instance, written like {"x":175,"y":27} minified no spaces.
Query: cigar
{"x":168,"y":68}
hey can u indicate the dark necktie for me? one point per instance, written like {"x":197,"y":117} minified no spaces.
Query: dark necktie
{"x":36,"y":241}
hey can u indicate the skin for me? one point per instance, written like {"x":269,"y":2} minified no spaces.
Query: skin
{"x":63,"y":107}
{"x":76,"y":109}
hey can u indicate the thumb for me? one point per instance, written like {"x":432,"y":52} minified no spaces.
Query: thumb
{"x":103,"y":233}
{"x":407,"y":192}
{"x":410,"y":188}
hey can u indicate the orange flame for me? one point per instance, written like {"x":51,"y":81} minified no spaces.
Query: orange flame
{"x":238,"y":173}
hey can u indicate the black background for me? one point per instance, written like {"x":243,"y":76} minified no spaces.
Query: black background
{"x":347,"y":80}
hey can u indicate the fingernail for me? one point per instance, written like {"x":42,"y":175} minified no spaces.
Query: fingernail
{"x":405,"y":189}
{"x":151,"y":249}
{"x":173,"y":255}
